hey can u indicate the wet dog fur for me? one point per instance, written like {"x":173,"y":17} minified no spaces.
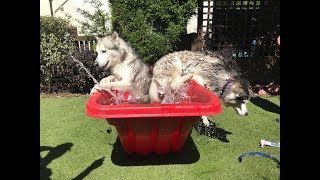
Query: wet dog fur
{"x":128,"y":71}
{"x":216,"y":71}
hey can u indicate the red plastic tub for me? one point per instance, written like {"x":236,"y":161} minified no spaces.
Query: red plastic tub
{"x":154,"y":128}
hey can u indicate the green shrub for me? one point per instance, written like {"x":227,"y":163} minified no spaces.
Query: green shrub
{"x":55,"y":45}
{"x":153,"y":27}
{"x":58,"y":73}
{"x":71,"y":78}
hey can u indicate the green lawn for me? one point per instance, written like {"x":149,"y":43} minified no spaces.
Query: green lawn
{"x":75,"y":146}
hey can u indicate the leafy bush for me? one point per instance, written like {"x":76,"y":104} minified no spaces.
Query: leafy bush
{"x":58,"y":73}
{"x":153,"y":27}
{"x":55,"y":45}
{"x":70,"y":77}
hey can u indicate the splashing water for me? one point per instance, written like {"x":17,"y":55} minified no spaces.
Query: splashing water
{"x":123,"y":97}
{"x":118,"y":97}
{"x":94,"y":79}
{"x":175,"y":96}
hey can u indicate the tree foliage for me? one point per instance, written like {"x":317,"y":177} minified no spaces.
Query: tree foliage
{"x":96,"y":23}
{"x":152,"y":27}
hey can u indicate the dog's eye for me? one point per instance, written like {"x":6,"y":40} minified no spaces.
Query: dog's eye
{"x":103,"y":51}
{"x":240,"y":98}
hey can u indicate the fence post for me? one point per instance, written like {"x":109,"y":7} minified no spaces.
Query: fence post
{"x":85,"y":43}
{"x":197,"y":44}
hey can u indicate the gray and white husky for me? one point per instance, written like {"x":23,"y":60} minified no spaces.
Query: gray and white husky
{"x":128,"y":71}
{"x":214,"y":70}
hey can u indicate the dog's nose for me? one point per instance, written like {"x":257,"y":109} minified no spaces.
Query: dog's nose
{"x":246,"y":114}
{"x":243,"y":95}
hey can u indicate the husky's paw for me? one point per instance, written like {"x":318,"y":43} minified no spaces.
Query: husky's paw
{"x":95,"y":89}
{"x":199,"y":80}
{"x":189,"y":76}
{"x":106,"y":81}
{"x":105,"y":85}
{"x":205,"y":121}
{"x":175,"y":85}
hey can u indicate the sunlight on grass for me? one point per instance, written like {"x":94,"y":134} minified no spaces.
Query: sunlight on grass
{"x":75,"y":145}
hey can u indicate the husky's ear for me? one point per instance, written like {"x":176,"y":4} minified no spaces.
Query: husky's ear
{"x":115,"y":38}
{"x":97,"y":38}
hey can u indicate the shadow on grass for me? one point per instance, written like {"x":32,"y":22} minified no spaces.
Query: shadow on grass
{"x":265,"y":104}
{"x":220,"y":134}
{"x":212,"y":131}
{"x":54,"y":153}
{"x":189,"y":154}
{"x":88,"y":170}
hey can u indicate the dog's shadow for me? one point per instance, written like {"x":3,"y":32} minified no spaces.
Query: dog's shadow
{"x":213,"y":131}
{"x":189,"y":154}
{"x":97,"y":163}
{"x":58,"y":151}
{"x":265,"y":104}
{"x":54,"y":153}
{"x":221,"y":134}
